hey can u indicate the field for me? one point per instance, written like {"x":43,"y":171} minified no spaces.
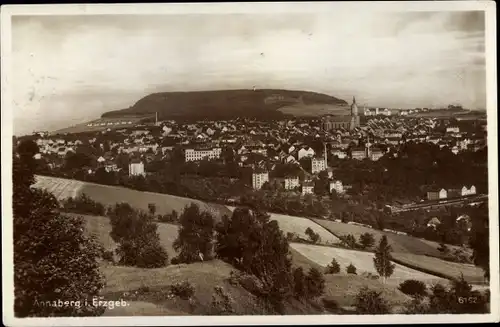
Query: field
{"x":204,"y":276}
{"x":399,"y":243}
{"x":363,"y":261}
{"x":446,"y":269}
{"x":298,"y":225}
{"x":109,"y":195}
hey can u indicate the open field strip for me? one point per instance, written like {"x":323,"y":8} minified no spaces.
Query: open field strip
{"x":298,"y":225}
{"x":363,"y":261}
{"x":109,"y":195}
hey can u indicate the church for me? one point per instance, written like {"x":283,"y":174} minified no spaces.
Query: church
{"x":350,"y":122}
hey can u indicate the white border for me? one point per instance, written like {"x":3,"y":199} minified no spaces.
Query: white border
{"x":222,"y":8}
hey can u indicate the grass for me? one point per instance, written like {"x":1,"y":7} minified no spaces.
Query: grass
{"x":362,"y":260}
{"x":445,"y":269}
{"x":399,"y":243}
{"x":298,"y":225}
{"x":109,"y":195}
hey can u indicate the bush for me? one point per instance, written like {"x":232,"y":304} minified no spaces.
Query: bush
{"x":83,"y":204}
{"x":333,"y":267}
{"x":351,"y":269}
{"x":108,"y":256}
{"x":222,"y":303}
{"x":175,"y":261}
{"x":299,"y":283}
{"x":152,"y":256}
{"x":366,"y":240}
{"x":414,"y":288}
{"x":371,"y":302}
{"x":314,"y":237}
{"x":349,"y":241}
{"x":416,"y":306}
{"x":184,"y":290}
{"x":331,"y":305}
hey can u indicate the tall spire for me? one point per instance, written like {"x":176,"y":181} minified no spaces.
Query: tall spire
{"x":353,"y":99}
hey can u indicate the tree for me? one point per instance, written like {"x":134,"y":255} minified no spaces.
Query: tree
{"x":351,"y":269}
{"x":333,"y":267}
{"x":195,"y":239}
{"x":252,"y":243}
{"x":315,"y":283}
{"x":314,"y":237}
{"x":299,"y":283}
{"x":382,"y":260}
{"x":137,"y":235}
{"x":152,"y":208}
{"x":480,"y":235}
{"x":371,"y":302}
{"x":53,"y":258}
{"x":366,"y":240}
{"x":349,"y":241}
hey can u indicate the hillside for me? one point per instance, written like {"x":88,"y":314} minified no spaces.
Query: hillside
{"x":224,"y":104}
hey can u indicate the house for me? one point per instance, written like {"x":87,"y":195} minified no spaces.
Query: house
{"x":339,"y":153}
{"x":111,"y":167}
{"x":452,"y":129}
{"x":433,"y":222}
{"x":336,"y":186}
{"x":468,"y":191}
{"x":289,"y":159}
{"x":376,"y":154}
{"x":317,"y":165}
{"x":259,"y":178}
{"x":305,"y":152}
{"x":307,"y":188}
{"x":437,"y":194}
{"x":358,"y":153}
{"x":136,"y":168}
{"x":291,"y":182}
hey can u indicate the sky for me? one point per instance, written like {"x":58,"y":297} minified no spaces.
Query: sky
{"x":71,"y":69}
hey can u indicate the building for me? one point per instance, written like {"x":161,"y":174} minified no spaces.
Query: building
{"x":291,"y":182}
{"x":136,"y":168}
{"x":317,"y":165}
{"x":433,"y":222}
{"x":349,"y":122}
{"x":437,"y":194}
{"x":358,"y":153}
{"x":375,"y":154}
{"x":337,"y":186}
{"x":201,"y":154}
{"x":465,"y":191}
{"x":307,"y":188}
{"x":258,"y":179}
{"x":452,"y":129}
{"x":305,"y":152}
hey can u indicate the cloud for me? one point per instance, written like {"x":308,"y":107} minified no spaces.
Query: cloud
{"x":70,"y":69}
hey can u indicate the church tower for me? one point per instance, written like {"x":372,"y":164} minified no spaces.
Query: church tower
{"x":354,"y":107}
{"x":355,"y":122}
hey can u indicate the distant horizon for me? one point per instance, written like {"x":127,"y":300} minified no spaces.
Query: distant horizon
{"x":71,"y":69}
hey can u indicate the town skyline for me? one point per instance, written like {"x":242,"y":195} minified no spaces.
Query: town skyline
{"x":129,"y":57}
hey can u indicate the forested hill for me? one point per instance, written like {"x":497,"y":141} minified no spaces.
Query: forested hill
{"x":224,"y":104}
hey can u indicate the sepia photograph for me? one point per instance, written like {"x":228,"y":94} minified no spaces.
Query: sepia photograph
{"x":269,"y":163}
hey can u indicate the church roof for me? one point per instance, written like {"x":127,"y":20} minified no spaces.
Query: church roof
{"x":342,"y":119}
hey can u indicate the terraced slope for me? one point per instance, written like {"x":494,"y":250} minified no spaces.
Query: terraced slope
{"x":109,"y":195}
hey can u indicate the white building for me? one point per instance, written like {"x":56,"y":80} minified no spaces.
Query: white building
{"x":307,"y":188}
{"x":291,"y":183}
{"x":468,"y":191}
{"x":136,"y":169}
{"x":317,"y":165}
{"x":452,"y":129}
{"x":337,"y":186}
{"x":258,"y":179}
{"x":196,"y":155}
{"x":309,"y":152}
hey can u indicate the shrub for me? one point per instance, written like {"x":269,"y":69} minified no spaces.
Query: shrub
{"x":152,"y":256}
{"x":370,"y":302}
{"x":175,"y":261}
{"x":184,"y":290}
{"x":222,"y":303}
{"x":108,"y":256}
{"x":299,"y":283}
{"x":83,"y":204}
{"x":366,"y":240}
{"x":351,"y":269}
{"x":314,"y":237}
{"x":315,"y":283}
{"x":414,"y":288}
{"x":331,"y":305}
{"x":416,"y":306}
{"x":333,"y":267}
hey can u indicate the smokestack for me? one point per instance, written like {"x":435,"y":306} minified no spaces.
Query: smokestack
{"x":325,"y":155}
{"x":156,"y":118}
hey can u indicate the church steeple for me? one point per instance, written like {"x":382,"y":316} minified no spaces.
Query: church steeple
{"x":354,"y":107}
{"x":353,"y":100}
